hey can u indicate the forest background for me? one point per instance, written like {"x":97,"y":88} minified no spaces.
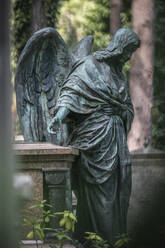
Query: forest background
{"x":75,"y":19}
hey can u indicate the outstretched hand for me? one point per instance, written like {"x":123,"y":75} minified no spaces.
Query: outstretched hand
{"x":56,"y":122}
{"x":54,"y":125}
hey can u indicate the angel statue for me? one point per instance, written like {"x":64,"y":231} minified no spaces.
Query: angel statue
{"x":92,"y":102}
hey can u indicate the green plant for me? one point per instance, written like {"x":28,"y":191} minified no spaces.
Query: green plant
{"x":61,"y":236}
{"x":38,"y":226}
{"x":123,"y":239}
{"x":67,"y":223}
{"x":96,"y":240}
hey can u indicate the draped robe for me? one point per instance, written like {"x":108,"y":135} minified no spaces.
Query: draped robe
{"x":101,"y":113}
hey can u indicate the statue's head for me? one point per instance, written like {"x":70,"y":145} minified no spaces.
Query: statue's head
{"x":121,"y":47}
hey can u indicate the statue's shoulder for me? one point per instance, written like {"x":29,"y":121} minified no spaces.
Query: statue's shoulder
{"x":91,"y":57}
{"x":90,"y":61}
{"x":87,"y":63}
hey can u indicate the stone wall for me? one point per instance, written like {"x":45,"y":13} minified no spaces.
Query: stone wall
{"x":146,"y":217}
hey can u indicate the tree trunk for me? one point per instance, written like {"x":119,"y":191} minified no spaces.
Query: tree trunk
{"x":7,"y":212}
{"x":115,"y":10}
{"x":141,"y":75}
{"x":38,"y":15}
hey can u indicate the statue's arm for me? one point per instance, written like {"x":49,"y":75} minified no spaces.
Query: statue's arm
{"x":58,"y":118}
{"x":62,"y":113}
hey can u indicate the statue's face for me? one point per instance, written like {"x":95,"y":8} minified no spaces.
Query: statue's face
{"x":127,"y":53}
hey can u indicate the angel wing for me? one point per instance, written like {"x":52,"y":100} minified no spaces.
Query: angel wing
{"x":42,"y":67}
{"x":83,"y":48}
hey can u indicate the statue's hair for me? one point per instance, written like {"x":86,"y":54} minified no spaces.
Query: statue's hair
{"x":122,"y":38}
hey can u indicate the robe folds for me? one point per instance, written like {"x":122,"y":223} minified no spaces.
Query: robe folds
{"x":101,"y":113}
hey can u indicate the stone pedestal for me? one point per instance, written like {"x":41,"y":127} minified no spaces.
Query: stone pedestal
{"x":49,"y":166}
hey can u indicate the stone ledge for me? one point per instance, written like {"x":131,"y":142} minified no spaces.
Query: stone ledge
{"x":147,"y":154}
{"x":42,"y":149}
{"x":43,"y":155}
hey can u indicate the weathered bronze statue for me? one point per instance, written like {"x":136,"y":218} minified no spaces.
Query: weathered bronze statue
{"x":96,"y":103}
{"x":93,"y":101}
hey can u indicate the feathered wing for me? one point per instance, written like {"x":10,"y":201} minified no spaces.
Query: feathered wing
{"x":42,"y":68}
{"x":83,"y":48}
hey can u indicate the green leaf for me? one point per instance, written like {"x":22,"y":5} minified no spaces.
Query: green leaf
{"x":53,"y":215}
{"x":47,"y":219}
{"x":39,"y":220}
{"x":30,"y":235}
{"x":119,"y":243}
{"x":40,"y":206}
{"x":34,"y":206}
{"x":62,"y":222}
{"x":27,"y":221}
{"x":73,"y":217}
{"x":62,"y":236}
{"x":59,"y":213}
{"x":66,"y":214}
{"x":48,"y":205}
{"x":67,"y":237}
{"x":37,"y":199}
{"x":68,"y":224}
{"x":37,"y":226}
{"x":33,"y":221}
{"x":48,"y":229}
{"x":40,"y":234}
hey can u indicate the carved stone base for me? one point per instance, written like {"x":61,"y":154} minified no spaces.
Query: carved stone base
{"x":49,"y":166}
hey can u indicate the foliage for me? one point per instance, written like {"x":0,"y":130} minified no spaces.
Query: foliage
{"x":67,"y":223}
{"x":96,"y":240}
{"x":20,"y":33}
{"x":21,"y":14}
{"x":79,"y":18}
{"x":97,"y":22}
{"x":71,"y":19}
{"x":52,"y":12}
{"x":126,"y":14}
{"x":122,"y":240}
{"x":159,"y":78}
{"x":20,"y":28}
{"x":68,"y":220}
{"x":39,"y":225}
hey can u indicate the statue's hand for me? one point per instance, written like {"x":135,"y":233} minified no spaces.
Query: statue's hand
{"x":56,"y":122}
{"x":54,"y":125}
